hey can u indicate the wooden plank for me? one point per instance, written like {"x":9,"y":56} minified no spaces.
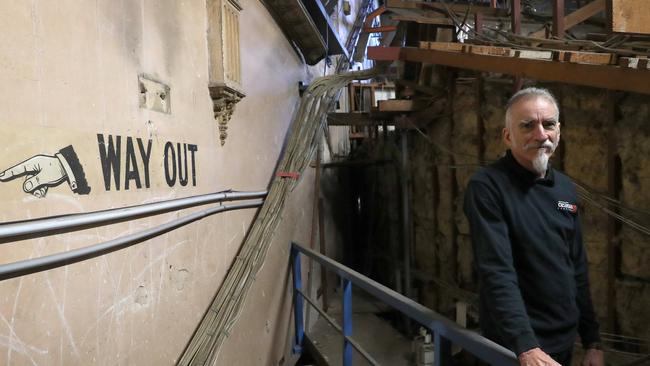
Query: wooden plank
{"x":418,"y":87}
{"x":584,"y":13}
{"x":357,"y":135}
{"x":423,"y":19}
{"x":488,"y":50}
{"x":363,"y":119}
{"x":577,"y":16}
{"x":642,"y":64}
{"x":629,"y":62}
{"x":381,"y":29}
{"x":630,"y":16}
{"x":456,"y":8}
{"x":585,"y":57}
{"x":442,"y":46}
{"x":534,"y":55}
{"x":599,"y":76}
{"x":395,"y":105}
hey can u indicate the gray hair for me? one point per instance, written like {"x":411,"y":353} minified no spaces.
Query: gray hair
{"x":529,"y":93}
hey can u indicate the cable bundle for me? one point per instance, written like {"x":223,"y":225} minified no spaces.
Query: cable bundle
{"x":305,"y":132}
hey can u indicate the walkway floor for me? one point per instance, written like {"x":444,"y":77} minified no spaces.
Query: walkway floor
{"x":375,"y":335}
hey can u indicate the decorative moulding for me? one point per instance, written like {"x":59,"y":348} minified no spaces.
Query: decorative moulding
{"x":225,"y":65}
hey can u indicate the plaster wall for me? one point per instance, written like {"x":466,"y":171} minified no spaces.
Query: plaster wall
{"x":69,"y":71}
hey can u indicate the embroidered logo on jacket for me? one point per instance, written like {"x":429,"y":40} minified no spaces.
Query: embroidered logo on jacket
{"x":566,"y":206}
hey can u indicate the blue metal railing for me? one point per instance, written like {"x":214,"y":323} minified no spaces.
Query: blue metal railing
{"x":444,"y":330}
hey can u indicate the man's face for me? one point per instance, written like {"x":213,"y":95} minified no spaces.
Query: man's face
{"x":533,"y":132}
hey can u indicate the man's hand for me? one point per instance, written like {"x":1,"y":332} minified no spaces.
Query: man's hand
{"x":593,"y":357}
{"x":42,"y":171}
{"x":536,"y":357}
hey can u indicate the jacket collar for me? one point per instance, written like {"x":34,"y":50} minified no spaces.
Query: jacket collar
{"x":526,"y":176}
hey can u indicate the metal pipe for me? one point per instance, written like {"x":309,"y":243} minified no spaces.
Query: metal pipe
{"x":58,"y":223}
{"x":34,"y":265}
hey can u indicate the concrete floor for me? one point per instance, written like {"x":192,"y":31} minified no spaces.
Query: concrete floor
{"x":376,"y":336}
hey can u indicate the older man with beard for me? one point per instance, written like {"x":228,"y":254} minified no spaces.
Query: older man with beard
{"x":531,"y":263}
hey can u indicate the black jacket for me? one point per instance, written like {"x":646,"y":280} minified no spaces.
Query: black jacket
{"x":531,"y":263}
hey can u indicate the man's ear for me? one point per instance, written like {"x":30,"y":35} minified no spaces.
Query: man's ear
{"x":505,"y":134}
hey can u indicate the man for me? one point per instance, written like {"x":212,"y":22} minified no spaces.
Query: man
{"x":532,"y":265}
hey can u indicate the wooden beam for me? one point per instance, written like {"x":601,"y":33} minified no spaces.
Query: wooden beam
{"x":585,"y":57}
{"x":442,"y":46}
{"x":423,"y":19}
{"x":419,"y":88}
{"x":630,"y":16}
{"x":584,"y":13}
{"x":395,"y":105}
{"x":577,"y":16}
{"x":488,"y":50}
{"x":381,"y":29}
{"x":599,"y":76}
{"x":456,"y":8}
{"x":364,"y":119}
{"x":536,"y":55}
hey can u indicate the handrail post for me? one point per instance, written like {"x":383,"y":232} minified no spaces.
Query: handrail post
{"x":442,"y":350}
{"x":297,"y":301}
{"x":347,"y":321}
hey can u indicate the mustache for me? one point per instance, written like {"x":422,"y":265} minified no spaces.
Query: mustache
{"x":546,"y":145}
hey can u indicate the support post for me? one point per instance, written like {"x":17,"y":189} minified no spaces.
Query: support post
{"x":406,"y":228}
{"x":478,"y":23}
{"x":321,"y":238}
{"x":515,"y":16}
{"x":442,"y":350}
{"x":297,"y":302}
{"x":558,"y":18}
{"x":613,"y":227}
{"x":347,"y":322}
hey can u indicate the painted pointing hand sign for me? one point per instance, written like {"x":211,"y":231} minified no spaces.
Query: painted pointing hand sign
{"x":44,"y":171}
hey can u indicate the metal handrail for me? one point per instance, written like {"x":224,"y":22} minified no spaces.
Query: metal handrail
{"x":445,"y":331}
{"x":29,"y":266}
{"x":15,"y":230}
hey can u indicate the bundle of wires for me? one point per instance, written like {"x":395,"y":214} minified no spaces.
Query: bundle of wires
{"x":305,"y":132}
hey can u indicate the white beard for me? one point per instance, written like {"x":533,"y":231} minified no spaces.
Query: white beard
{"x":540,"y":163}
